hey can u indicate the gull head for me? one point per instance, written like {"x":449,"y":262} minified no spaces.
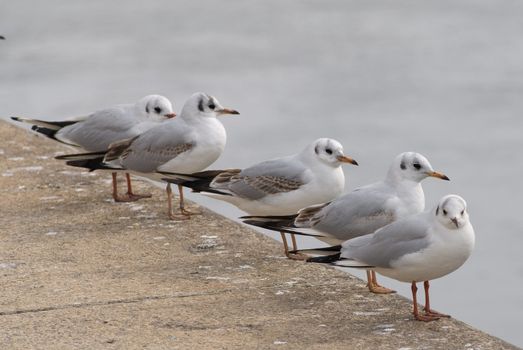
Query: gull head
{"x":202,"y":105}
{"x":451,"y":212}
{"x":328,"y":151}
{"x":414,"y":167}
{"x":156,"y":107}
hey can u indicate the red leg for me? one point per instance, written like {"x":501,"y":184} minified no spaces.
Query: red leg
{"x":417,"y":316}
{"x":115,"y":188}
{"x":428,"y":310}
{"x":182,"y":206}
{"x":129,"y":196}
{"x":294,"y":255}
{"x":170,"y":213}
{"x":374,"y":287}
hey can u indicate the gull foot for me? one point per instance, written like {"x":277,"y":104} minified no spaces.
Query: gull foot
{"x":131,"y":197}
{"x":377,"y":289}
{"x":425,"y":318}
{"x":433,"y":313}
{"x":293,"y":255}
{"x":189,"y":213}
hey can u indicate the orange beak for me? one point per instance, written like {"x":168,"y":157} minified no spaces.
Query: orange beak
{"x":345,"y":159}
{"x":438,"y":175}
{"x":227,"y":111}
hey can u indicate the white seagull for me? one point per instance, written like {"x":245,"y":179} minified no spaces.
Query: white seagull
{"x":362,"y":211}
{"x":96,"y":131}
{"x":419,"y":248}
{"x":189,"y":143}
{"x":279,"y":186}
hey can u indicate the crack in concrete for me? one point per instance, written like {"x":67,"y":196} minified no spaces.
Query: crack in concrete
{"x":111,"y":302}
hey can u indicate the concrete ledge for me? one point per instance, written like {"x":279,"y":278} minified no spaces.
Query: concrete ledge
{"x":81,"y":272}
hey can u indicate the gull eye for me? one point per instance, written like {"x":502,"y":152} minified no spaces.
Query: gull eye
{"x":463,"y":212}
{"x":157,"y":109}
{"x":416,"y":166}
{"x":212,"y":106}
{"x":328,"y":150}
{"x":444,"y":212}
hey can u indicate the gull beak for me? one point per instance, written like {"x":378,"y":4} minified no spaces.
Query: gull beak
{"x":227,"y":111}
{"x":170,"y":115}
{"x":438,"y":175}
{"x":455,"y":221}
{"x":345,"y":159}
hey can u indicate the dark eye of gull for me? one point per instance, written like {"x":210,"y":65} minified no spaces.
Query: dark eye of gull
{"x":157,"y":109}
{"x":328,"y":150}
{"x":463,"y":212}
{"x":444,"y":212}
{"x":212,"y":106}
{"x":416,"y":166}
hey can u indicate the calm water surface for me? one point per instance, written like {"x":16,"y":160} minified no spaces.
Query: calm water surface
{"x":443,"y":78}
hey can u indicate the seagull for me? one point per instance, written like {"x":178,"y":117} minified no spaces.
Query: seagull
{"x":415,"y":249}
{"x":279,"y":186}
{"x":189,"y":143}
{"x":362,"y":211}
{"x":96,"y":131}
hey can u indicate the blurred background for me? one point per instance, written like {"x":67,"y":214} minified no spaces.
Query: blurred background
{"x":443,"y":78}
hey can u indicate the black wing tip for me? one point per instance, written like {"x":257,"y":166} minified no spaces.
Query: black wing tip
{"x":327,"y":259}
{"x":172,"y":181}
{"x":17,"y":119}
{"x":91,"y":164}
{"x":89,"y":155}
{"x":270,"y":217}
{"x":334,"y":248}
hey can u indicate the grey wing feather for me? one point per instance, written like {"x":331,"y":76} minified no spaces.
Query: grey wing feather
{"x":100,"y":129}
{"x":156,"y":147}
{"x":357,"y":213}
{"x":269,"y":177}
{"x":389,"y":243}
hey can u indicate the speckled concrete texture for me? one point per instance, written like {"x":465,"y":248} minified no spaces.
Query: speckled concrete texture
{"x":79,"y":271}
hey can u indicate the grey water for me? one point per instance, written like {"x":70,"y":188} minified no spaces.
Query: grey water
{"x":443,"y":78}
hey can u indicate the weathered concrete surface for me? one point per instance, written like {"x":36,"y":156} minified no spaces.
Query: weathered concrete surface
{"x":81,"y":272}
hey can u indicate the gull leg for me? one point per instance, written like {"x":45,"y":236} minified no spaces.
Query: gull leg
{"x":417,"y":316}
{"x":374,"y":287}
{"x":293,"y":255}
{"x":285,"y":245}
{"x":427,"y":309}
{"x":115,"y":188}
{"x":130,"y":194}
{"x":182,"y":206}
{"x":170,"y":213}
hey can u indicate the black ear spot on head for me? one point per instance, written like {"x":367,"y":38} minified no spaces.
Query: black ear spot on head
{"x":200,"y":105}
{"x":402,"y":165}
{"x":147,"y":109}
{"x":316,"y":150}
{"x":437,"y":210}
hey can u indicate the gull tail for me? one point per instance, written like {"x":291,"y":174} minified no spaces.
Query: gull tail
{"x":210,"y":181}
{"x":332,"y":255}
{"x":46,"y":128}
{"x":92,"y":161}
{"x":280,"y":224}
{"x":326,"y":255}
{"x":198,"y":182}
